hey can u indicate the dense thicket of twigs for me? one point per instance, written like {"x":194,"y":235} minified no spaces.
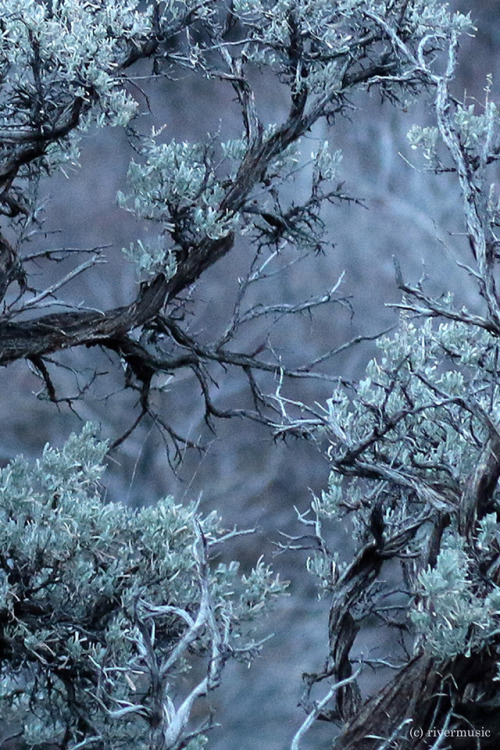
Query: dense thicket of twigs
{"x":104,"y":611}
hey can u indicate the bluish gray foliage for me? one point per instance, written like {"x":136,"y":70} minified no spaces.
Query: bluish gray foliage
{"x":103,"y":609}
{"x":415,"y":455}
{"x":114,"y":622}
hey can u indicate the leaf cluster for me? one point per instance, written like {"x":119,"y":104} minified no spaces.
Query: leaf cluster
{"x":87,"y":585}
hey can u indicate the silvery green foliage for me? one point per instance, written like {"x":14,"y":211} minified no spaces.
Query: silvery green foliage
{"x":476,"y":126}
{"x":414,"y":448}
{"x":450,"y":615}
{"x":103,"y":609}
{"x":416,"y":441}
{"x":409,"y":392}
{"x":311,"y":47}
{"x":178,"y":187}
{"x":151,"y":256}
{"x":65,"y":63}
{"x":63,"y":55}
{"x":179,"y":178}
{"x":328,"y":30}
{"x":406,"y":441}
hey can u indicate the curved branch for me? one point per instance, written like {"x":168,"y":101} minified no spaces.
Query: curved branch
{"x":58,"y":331}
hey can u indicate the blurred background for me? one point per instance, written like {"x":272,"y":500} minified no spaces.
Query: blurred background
{"x":252,"y":480}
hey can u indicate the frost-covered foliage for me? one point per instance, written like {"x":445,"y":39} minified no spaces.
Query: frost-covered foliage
{"x":103,"y":609}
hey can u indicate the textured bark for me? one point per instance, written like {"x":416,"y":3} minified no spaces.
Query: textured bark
{"x":428,"y":694}
{"x":58,"y":331}
{"x":50,"y":333}
{"x":476,"y":500}
{"x":413,"y":707}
